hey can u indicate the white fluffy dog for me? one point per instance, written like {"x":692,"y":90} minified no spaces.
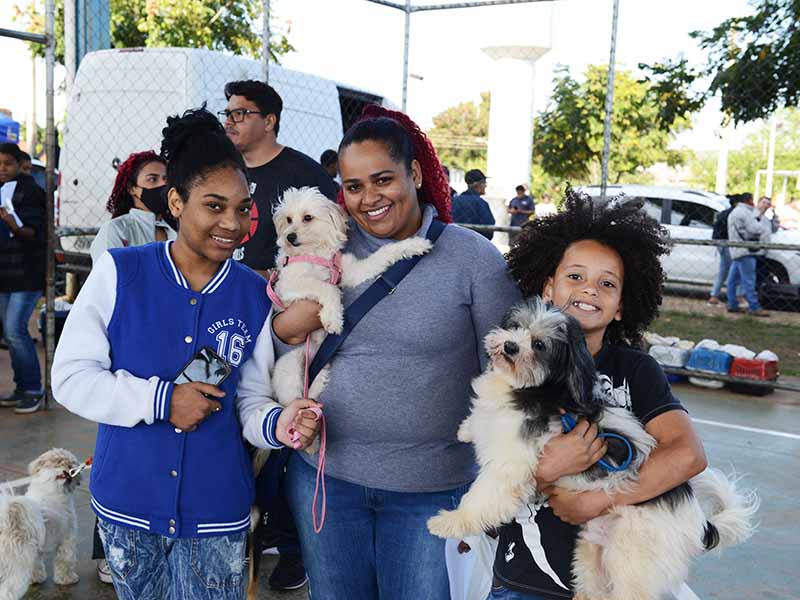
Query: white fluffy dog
{"x":38,"y":523}
{"x":308,"y":224}
{"x":539,"y":365}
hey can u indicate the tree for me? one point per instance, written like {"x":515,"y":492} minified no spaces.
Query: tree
{"x":568,"y":135}
{"x":459,"y":134}
{"x":753,"y":62}
{"x":213,"y":24}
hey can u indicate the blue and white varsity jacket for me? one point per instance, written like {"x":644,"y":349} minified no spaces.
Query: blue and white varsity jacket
{"x":134,"y":326}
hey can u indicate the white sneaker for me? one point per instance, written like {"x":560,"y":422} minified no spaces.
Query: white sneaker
{"x":103,"y":572}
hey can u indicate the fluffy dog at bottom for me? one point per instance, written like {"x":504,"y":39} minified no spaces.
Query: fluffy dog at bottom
{"x":308,"y":224}
{"x":38,"y":523}
{"x":539,"y":366}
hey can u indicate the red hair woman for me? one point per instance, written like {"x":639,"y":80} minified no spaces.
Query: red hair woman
{"x":400,"y":383}
{"x":138,"y":206}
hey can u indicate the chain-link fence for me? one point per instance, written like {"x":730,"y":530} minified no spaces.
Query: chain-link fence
{"x":518,"y":89}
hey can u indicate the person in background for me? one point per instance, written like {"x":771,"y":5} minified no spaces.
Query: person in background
{"x":329,"y":161}
{"x":392,"y":458}
{"x":22,"y":275}
{"x":453,"y":193}
{"x":546,"y":206}
{"x":747,"y":223}
{"x":520,"y":207}
{"x":252,"y":122}
{"x":25,"y":163}
{"x":138,"y":206}
{"x":720,"y":232}
{"x":470,"y":208}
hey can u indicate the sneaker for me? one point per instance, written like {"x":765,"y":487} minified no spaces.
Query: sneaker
{"x":289,"y":573}
{"x":713,"y":301}
{"x":735,"y":309}
{"x":758,"y":313}
{"x":29,"y":403}
{"x":12,"y":398}
{"x":104,"y":572}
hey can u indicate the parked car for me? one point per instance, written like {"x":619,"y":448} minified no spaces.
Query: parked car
{"x":690,"y":214}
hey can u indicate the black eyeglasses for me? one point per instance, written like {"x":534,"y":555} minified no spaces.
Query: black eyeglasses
{"x":237,"y":115}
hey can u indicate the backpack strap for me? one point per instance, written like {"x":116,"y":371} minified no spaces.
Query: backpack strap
{"x":382,"y":287}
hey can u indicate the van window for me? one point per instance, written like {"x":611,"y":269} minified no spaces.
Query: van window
{"x":652,"y":207}
{"x":690,"y":214}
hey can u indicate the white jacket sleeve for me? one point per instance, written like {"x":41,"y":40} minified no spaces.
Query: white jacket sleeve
{"x":258,"y":412}
{"x":82,"y":378}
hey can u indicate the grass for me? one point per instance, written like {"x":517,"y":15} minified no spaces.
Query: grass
{"x":756,"y":334}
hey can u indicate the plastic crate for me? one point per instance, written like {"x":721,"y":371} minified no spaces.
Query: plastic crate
{"x":710,"y":361}
{"x":670,"y":356}
{"x":762,"y":370}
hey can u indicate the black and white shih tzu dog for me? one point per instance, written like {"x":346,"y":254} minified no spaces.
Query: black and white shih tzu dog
{"x":539,"y":365}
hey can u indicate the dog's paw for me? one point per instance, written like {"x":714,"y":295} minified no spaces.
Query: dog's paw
{"x":450,"y":524}
{"x":332,"y":320}
{"x":464,"y":433}
{"x":66,"y":578}
{"x":39,"y":575}
{"x":416,"y":246}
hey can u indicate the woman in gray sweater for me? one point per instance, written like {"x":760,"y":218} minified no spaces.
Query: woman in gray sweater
{"x":400,"y":383}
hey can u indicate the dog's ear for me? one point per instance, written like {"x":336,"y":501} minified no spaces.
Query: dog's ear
{"x":337,"y":216}
{"x":580,"y":371}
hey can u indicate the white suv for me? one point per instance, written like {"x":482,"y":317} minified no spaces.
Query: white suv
{"x":690,"y":214}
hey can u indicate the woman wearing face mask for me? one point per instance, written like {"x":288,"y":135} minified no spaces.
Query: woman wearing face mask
{"x":138,"y":206}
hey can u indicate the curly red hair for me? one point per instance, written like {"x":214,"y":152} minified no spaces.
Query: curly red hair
{"x":120,"y":201}
{"x":435,"y":188}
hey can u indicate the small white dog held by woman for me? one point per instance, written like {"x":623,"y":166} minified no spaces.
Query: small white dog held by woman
{"x":310,"y":265}
{"x":39,"y":523}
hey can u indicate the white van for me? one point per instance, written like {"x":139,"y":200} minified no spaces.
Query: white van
{"x":121,"y":99}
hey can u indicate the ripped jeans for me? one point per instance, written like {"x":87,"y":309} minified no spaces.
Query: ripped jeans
{"x":148,"y":566}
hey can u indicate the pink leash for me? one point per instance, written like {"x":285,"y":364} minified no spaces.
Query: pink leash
{"x":336,"y":272}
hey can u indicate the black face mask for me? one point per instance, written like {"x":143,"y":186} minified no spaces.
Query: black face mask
{"x":155,"y":199}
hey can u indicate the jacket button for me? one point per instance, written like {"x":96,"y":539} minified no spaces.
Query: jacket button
{"x":173,"y":473}
{"x":172,"y":530}
{"x":178,"y":430}
{"x":188,"y":339}
{"x":193,"y":301}
{"x":172,"y":521}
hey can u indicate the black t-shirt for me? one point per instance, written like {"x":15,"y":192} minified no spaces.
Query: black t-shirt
{"x":267,"y":183}
{"x":535,"y":550}
{"x":23,"y":262}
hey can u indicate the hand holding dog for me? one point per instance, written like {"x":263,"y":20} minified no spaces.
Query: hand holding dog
{"x":570,"y":453}
{"x":190,"y":407}
{"x":299,"y":319}
{"x":301,"y":420}
{"x":576,"y":508}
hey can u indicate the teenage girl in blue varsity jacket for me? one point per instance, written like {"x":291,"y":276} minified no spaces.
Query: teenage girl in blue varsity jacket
{"x":171,"y":481}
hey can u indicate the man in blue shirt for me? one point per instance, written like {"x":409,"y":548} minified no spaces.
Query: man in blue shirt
{"x":521,"y":207}
{"x":470,"y":207}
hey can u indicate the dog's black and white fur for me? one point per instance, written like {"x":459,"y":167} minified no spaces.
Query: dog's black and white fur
{"x":539,"y":365}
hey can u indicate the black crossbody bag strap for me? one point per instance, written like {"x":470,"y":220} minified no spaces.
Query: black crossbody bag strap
{"x":382,"y":287}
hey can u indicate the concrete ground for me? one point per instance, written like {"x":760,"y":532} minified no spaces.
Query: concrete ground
{"x":759,"y":438}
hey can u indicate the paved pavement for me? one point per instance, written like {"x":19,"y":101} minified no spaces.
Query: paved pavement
{"x":759,"y":438}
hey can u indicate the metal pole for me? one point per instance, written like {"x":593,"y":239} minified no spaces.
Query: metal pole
{"x":265,"y":44}
{"x":609,"y":103}
{"x":70,"y":44}
{"x":50,"y":149}
{"x":773,"y":126}
{"x":405,"y":55}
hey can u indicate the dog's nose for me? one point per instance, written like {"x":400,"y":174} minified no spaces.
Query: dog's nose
{"x":292,"y":239}
{"x":510,"y":348}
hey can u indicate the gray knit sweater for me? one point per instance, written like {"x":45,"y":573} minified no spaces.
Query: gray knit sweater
{"x":400,"y":383}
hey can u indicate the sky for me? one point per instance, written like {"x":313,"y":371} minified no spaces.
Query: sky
{"x":361,"y":44}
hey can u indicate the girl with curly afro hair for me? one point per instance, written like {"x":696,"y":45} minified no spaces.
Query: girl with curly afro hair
{"x":598,"y":262}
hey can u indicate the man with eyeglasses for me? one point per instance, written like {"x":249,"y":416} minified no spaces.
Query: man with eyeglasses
{"x":252,"y":122}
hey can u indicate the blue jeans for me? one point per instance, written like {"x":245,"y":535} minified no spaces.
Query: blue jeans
{"x":500,"y":592}
{"x":743,"y":270}
{"x":374,"y":543}
{"x":16,"y":309}
{"x":724,"y":269}
{"x":148,"y":566}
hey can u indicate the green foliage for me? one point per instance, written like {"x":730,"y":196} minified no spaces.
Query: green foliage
{"x":744,"y":163}
{"x":227,"y":25}
{"x":459,"y":134}
{"x":568,"y":136}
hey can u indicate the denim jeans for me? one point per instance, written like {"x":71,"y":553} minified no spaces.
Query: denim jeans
{"x":16,"y":309}
{"x":374,"y":543}
{"x":724,"y":269}
{"x":148,"y":566}
{"x":500,"y":592}
{"x":743,"y":270}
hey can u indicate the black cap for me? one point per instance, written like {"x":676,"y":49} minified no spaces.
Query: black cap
{"x":474,"y":176}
